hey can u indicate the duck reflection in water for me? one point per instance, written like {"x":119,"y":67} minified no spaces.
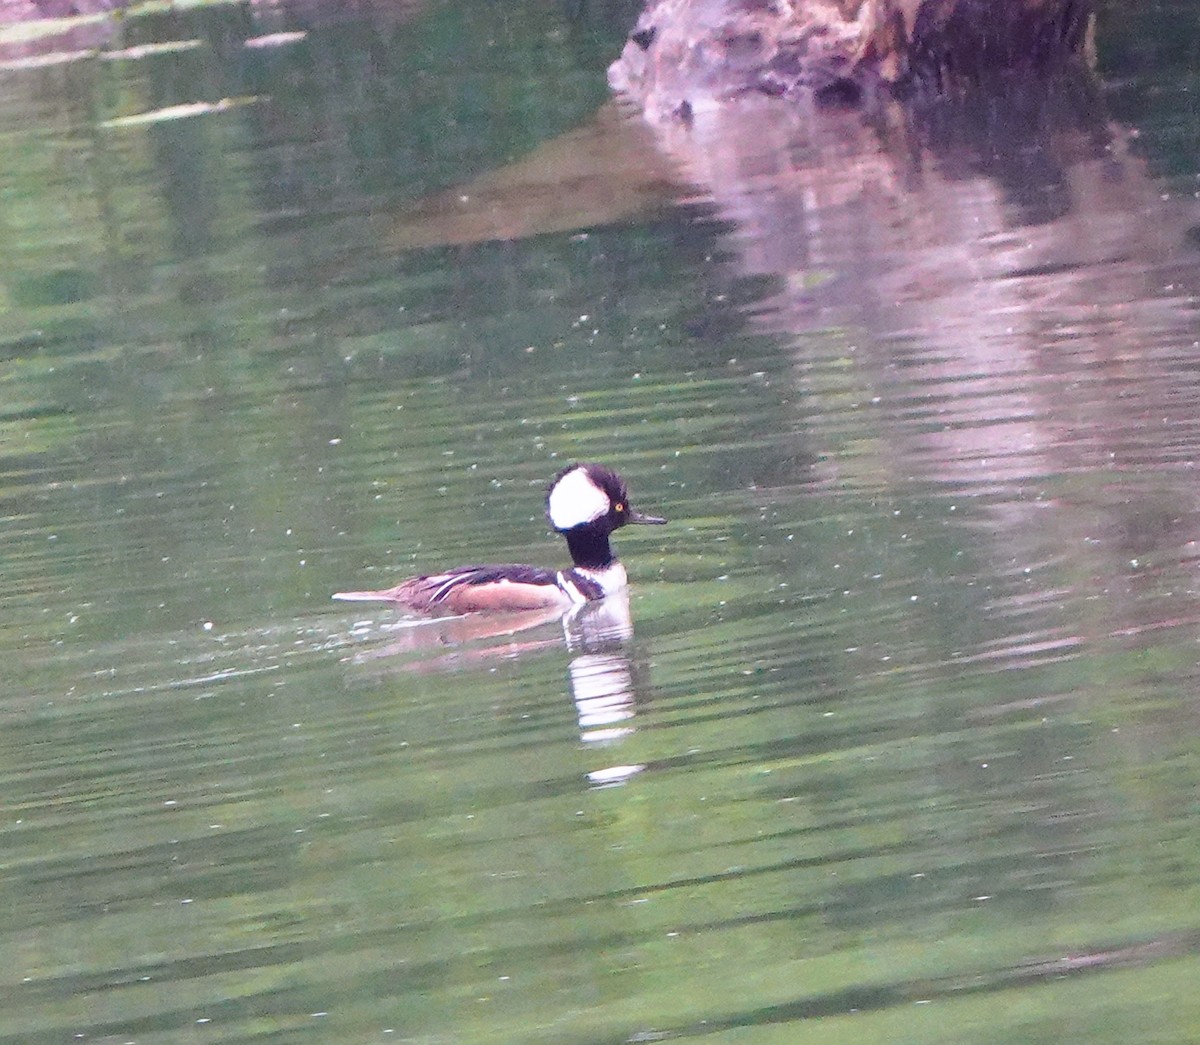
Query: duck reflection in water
{"x":602,"y":671}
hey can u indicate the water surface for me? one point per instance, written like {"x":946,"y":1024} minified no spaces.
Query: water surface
{"x":899,"y":739}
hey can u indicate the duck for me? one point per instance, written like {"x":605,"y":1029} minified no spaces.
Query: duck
{"x":585,"y":503}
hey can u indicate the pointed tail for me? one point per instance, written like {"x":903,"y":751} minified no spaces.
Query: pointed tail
{"x":365,"y":596}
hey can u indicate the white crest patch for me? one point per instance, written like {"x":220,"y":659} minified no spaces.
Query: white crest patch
{"x":574,"y":500}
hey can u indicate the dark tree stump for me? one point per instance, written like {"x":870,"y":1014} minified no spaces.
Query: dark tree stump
{"x":683,"y":54}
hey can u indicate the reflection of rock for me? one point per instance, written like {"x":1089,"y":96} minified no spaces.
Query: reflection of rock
{"x":1000,"y":282}
{"x":608,"y":170}
{"x":962,"y":244}
{"x":594,"y":175}
{"x":685,"y":55}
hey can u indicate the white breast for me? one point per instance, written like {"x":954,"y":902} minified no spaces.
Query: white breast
{"x":611,"y":579}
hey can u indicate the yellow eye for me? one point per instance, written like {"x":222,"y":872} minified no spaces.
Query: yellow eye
{"x":618,"y":507}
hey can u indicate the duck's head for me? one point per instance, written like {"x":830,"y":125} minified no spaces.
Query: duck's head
{"x":593,"y":497}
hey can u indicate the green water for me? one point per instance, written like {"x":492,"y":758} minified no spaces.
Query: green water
{"x":903,"y":746}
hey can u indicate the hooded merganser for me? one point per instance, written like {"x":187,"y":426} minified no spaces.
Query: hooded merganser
{"x":585,"y":503}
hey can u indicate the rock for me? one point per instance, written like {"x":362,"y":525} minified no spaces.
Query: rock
{"x":688,"y":54}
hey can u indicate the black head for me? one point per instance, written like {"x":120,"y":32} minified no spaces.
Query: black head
{"x":593,"y":497}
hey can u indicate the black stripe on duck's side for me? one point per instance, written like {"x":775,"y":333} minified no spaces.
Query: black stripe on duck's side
{"x":588,"y":586}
